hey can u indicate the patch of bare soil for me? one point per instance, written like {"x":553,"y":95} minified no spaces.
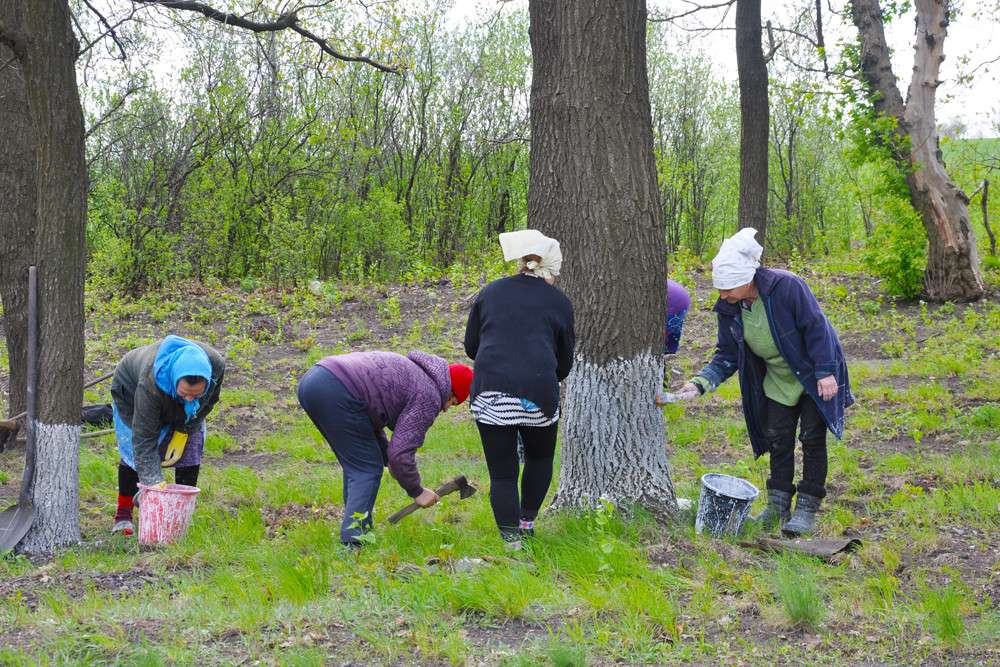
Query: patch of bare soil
{"x":938,"y":444}
{"x":250,"y":459}
{"x":959,"y":548}
{"x":514,"y":633}
{"x":276,"y":519}
{"x":76,"y":584}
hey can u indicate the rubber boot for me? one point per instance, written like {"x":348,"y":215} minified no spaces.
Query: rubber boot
{"x":511,"y":538}
{"x":777,"y":511}
{"x":804,"y":518}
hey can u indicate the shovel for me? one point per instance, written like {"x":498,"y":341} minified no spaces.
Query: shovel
{"x":459,"y":484}
{"x":15,"y":522}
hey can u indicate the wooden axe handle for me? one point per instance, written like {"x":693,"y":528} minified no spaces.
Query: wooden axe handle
{"x":451,"y":486}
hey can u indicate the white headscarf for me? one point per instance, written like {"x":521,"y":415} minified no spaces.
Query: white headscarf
{"x":517,"y":245}
{"x":737,"y":260}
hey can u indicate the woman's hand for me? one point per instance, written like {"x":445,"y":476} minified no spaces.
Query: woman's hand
{"x":827,"y":387}
{"x":688,"y":391}
{"x":426,"y":498}
{"x":685,"y":393}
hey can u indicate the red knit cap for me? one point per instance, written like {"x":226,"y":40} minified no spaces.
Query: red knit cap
{"x":461,"y":381}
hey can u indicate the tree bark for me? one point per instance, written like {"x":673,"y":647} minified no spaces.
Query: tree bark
{"x":952,"y":272}
{"x":17,"y":219}
{"x":593,"y":186}
{"x":751,"y":69}
{"x":46,"y":48}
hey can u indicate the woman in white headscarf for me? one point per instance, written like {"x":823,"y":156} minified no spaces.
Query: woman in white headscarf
{"x":792,"y":372}
{"x":520,"y":333}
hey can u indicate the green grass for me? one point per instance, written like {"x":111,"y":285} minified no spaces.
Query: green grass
{"x":261,"y":576}
{"x":943,"y":607}
{"x":797,"y":587}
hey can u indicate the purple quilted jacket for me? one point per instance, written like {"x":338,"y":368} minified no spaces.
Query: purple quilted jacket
{"x":404,"y":394}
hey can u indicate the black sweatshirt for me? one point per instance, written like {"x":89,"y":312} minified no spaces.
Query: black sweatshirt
{"x":520,"y":333}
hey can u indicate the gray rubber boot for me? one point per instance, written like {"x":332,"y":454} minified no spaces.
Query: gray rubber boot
{"x":777,"y":510}
{"x":804,"y":518}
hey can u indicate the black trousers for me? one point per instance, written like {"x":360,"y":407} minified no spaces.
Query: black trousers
{"x":128,"y":479}
{"x":500,"y":448}
{"x":780,"y":434}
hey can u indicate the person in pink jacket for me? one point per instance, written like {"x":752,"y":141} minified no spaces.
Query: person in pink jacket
{"x":352,"y":398}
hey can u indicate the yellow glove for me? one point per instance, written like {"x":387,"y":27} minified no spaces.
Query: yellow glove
{"x":175,"y":449}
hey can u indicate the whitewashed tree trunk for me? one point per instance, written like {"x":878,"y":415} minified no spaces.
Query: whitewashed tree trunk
{"x":593,"y":187}
{"x":39,"y":34}
{"x":618,"y":449}
{"x":56,"y":491}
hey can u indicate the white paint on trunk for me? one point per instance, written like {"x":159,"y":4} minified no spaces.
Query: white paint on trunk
{"x":56,"y":490}
{"x":613,"y":437}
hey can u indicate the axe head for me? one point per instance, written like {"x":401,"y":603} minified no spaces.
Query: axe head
{"x":464,"y":488}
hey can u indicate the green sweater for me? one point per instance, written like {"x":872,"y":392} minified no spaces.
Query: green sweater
{"x":780,"y":383}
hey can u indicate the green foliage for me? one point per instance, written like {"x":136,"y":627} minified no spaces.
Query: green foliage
{"x":897,"y":250}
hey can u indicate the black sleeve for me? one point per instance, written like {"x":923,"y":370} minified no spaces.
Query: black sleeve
{"x":565,"y":345}
{"x":472,"y":331}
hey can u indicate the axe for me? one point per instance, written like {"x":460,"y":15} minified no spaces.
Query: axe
{"x":459,"y":484}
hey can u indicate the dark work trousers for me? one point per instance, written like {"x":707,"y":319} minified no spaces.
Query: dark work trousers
{"x":780,"y":434}
{"x":128,"y":479}
{"x":343,"y":420}
{"x":500,"y":448}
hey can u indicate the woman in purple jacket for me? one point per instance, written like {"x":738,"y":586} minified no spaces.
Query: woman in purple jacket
{"x":351,"y":398}
{"x":792,"y":371}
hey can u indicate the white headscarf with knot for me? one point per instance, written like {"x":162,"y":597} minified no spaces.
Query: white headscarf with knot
{"x":737,"y":260}
{"x":518,"y":245}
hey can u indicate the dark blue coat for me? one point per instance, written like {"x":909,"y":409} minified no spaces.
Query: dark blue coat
{"x":805,"y":339}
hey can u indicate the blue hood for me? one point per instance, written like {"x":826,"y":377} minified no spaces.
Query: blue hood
{"x":177,"y":358}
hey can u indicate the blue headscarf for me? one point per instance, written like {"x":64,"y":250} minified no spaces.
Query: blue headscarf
{"x":177,"y":358}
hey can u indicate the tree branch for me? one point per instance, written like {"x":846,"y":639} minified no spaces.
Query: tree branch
{"x":110,"y":31}
{"x":110,"y":111}
{"x":773,"y":46}
{"x":284,"y":21}
{"x":697,"y":8}
{"x":104,"y":34}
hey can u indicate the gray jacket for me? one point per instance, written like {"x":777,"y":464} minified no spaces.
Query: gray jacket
{"x":147,"y":409}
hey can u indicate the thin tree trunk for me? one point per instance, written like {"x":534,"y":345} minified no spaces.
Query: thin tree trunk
{"x":17,"y":219}
{"x":43,"y":41}
{"x":952,"y":272}
{"x":593,"y":187}
{"x":985,"y":207}
{"x":754,"y":118}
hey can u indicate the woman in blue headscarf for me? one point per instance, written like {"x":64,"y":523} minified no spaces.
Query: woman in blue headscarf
{"x":162,"y":393}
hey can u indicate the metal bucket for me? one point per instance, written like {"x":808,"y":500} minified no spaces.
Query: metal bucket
{"x":724,"y":504}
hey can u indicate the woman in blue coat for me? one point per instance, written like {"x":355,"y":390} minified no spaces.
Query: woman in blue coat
{"x":792,"y":372}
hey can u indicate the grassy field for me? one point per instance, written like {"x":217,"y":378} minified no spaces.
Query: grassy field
{"x":262,"y":579}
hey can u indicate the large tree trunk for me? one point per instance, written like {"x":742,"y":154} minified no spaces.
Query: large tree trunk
{"x":952,"y":272}
{"x":17,"y":219}
{"x":46,"y":48}
{"x":754,"y":118}
{"x":593,"y":187}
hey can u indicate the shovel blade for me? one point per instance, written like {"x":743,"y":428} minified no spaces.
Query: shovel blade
{"x":14,"y":525}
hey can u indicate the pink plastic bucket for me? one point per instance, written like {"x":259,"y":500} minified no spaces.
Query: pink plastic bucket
{"x":165,"y":514}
